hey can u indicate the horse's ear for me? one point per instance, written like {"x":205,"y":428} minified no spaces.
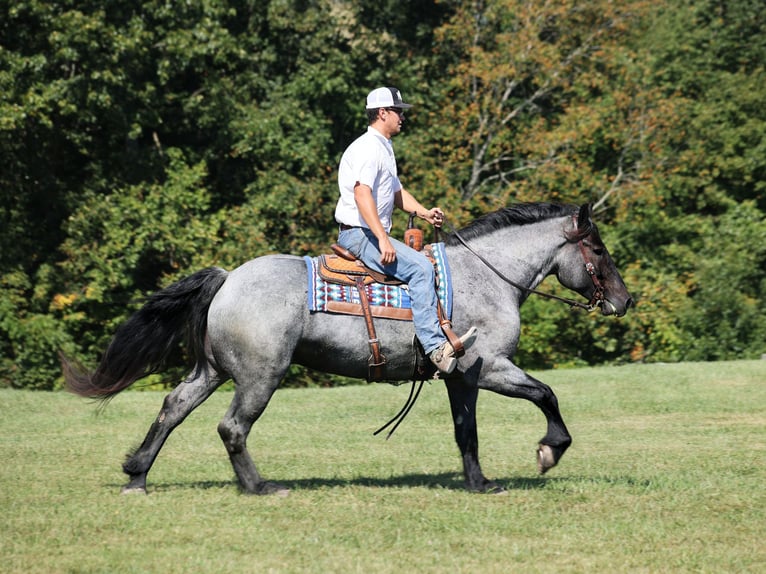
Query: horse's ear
{"x":584,"y":222}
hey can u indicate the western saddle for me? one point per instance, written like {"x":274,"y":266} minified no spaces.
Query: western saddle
{"x":342,"y":267}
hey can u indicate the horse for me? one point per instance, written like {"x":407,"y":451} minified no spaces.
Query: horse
{"x":250,"y":324}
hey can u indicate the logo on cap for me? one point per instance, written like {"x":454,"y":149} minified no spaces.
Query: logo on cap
{"x":384,"y":98}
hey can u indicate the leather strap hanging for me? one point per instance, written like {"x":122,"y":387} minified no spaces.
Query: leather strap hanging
{"x":376,"y":364}
{"x":446,"y":326}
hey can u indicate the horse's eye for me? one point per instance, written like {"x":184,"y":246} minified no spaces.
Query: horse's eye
{"x":596,"y":249}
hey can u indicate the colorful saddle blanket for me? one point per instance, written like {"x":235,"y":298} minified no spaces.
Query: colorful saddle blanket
{"x":386,"y":301}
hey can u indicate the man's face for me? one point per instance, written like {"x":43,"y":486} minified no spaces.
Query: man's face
{"x":392,"y":119}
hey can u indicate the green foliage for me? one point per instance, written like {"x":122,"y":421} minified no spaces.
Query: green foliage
{"x":539,"y":101}
{"x":724,"y":315}
{"x":144,"y":140}
{"x":130,"y":243}
{"x":30,"y":340}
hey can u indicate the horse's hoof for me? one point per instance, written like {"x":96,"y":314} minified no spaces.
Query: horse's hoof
{"x":546,"y":459}
{"x":487,"y":487}
{"x":495,"y":489}
{"x":133,"y":490}
{"x":272,"y":488}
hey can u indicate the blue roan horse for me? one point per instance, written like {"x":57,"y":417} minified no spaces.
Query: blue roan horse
{"x":250,"y":324}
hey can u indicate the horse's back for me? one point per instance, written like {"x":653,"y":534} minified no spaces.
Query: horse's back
{"x":268,"y":271}
{"x":261,"y":304}
{"x":261,"y":312}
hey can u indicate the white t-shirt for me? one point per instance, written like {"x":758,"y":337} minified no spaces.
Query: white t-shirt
{"x":368,"y":160}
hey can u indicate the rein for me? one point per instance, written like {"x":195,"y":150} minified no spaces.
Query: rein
{"x":593,"y":304}
{"x":597,"y":300}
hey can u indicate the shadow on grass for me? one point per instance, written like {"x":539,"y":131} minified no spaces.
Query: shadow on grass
{"x":443,"y":481}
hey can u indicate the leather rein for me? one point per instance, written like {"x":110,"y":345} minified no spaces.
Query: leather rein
{"x":598,"y":295}
{"x":596,"y":301}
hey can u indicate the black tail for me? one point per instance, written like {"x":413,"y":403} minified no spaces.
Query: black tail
{"x":143,"y":344}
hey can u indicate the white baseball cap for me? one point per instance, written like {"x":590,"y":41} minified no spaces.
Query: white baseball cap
{"x":385,"y":98}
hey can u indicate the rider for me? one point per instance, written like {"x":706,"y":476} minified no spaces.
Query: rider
{"x":369,"y":191}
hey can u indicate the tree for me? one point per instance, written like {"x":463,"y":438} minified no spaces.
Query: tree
{"x":143,"y":140}
{"x":723,"y":315}
{"x":542,"y":104}
{"x":630,"y":107}
{"x":114,"y":110}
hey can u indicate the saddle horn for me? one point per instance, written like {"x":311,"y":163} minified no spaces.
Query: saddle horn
{"x":413,"y":237}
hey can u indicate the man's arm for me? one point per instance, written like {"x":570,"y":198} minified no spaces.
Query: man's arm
{"x":369,"y":212}
{"x":405,"y":201}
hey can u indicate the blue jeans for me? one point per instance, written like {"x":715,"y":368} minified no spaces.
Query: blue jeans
{"x":409,"y":266}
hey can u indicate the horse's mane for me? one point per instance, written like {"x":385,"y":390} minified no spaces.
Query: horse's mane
{"x":518,"y":214}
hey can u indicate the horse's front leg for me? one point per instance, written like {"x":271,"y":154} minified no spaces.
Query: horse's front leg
{"x":463,"y":404}
{"x":508,"y":380}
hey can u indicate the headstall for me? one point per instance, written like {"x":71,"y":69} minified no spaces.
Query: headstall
{"x":597,"y":300}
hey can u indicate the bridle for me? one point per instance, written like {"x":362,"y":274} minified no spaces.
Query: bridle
{"x":598,"y":298}
{"x":595,"y":302}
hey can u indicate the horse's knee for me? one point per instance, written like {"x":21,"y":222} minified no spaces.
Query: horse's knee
{"x":233,"y":439}
{"x":224,"y":432}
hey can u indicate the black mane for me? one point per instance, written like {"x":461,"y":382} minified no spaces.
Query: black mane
{"x":518,"y":214}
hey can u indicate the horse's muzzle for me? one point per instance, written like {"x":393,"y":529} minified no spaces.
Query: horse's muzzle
{"x":609,"y":308}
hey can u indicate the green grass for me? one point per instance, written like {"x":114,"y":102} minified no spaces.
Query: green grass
{"x":666,"y":474}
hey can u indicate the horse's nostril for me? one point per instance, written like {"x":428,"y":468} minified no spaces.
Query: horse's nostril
{"x":629,"y":303}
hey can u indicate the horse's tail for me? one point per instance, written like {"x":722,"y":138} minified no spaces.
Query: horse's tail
{"x":146,"y":341}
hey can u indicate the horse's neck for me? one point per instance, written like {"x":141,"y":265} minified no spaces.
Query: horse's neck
{"x":525,"y":254}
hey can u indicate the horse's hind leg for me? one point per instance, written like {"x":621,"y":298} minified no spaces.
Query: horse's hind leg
{"x":175,"y":408}
{"x":249,"y":402}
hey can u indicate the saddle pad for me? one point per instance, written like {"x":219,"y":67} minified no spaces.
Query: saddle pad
{"x":389,"y":301}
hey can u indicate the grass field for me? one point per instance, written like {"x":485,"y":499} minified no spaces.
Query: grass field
{"x":666,"y":474}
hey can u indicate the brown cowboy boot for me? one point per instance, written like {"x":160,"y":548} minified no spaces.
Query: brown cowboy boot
{"x":444,"y":356}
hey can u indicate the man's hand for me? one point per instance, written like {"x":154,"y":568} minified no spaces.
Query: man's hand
{"x":434,"y":216}
{"x":406,"y":202}
{"x":387,"y":251}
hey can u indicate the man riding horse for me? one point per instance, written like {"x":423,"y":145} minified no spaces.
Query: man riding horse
{"x":252,"y":323}
{"x":369,"y":191}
